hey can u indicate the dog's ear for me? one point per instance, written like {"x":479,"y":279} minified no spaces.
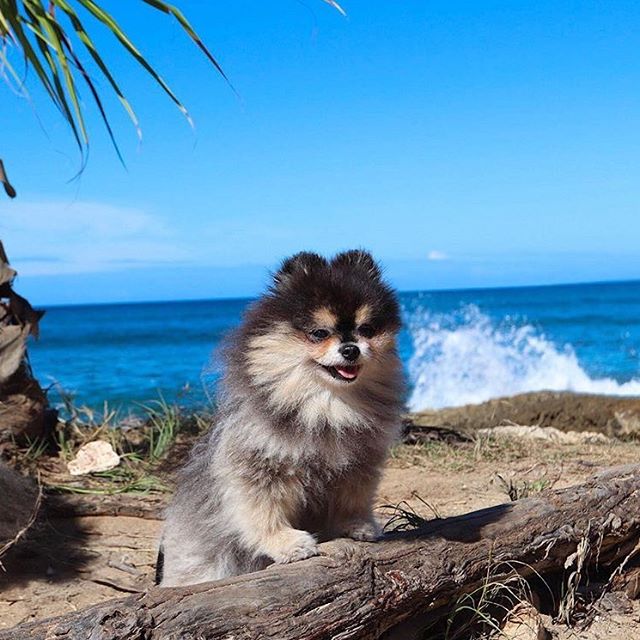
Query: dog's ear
{"x":358,"y":259}
{"x":302,"y":263}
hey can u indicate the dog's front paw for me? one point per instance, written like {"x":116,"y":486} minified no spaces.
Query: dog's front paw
{"x":294,"y":545}
{"x":366,"y":531}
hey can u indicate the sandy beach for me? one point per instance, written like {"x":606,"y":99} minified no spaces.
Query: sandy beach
{"x":95,"y":539}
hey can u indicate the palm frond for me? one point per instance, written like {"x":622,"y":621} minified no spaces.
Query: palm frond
{"x":44,"y":33}
{"x":335,"y":5}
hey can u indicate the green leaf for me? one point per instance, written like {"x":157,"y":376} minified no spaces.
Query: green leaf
{"x":96,"y":97}
{"x":335,"y":5}
{"x":184,"y":23}
{"x":100,"y":14}
{"x":47,"y":44}
{"x":57,"y":91}
{"x":47,"y":25}
{"x":93,"y":52}
{"x":31,"y":57}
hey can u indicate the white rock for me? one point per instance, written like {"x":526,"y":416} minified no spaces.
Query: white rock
{"x":93,"y":456}
{"x":524,"y":622}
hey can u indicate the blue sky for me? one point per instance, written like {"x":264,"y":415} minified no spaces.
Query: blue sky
{"x":465,"y":143}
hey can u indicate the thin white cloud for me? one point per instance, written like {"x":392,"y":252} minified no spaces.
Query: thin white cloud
{"x":49,"y":238}
{"x":435,"y":255}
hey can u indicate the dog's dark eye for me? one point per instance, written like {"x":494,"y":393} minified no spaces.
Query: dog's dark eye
{"x":319,"y":334}
{"x":366,"y":330}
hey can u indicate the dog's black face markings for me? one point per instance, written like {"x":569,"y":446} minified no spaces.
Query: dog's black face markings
{"x":352,"y":280}
{"x":345,"y":329}
{"x":342,"y":300}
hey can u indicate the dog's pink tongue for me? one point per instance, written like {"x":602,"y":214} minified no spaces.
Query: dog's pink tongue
{"x":350,"y":373}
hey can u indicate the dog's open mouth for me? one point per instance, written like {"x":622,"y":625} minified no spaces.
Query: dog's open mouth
{"x":348,"y":372}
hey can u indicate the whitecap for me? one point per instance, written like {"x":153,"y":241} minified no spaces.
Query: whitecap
{"x":464,"y":357}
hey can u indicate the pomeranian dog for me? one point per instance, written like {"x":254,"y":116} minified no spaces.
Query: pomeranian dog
{"x":309,"y":404}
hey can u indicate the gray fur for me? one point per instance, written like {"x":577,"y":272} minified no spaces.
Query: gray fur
{"x":294,"y":457}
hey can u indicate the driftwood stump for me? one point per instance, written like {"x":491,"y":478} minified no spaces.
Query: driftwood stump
{"x":361,"y":590}
{"x":24,"y":411}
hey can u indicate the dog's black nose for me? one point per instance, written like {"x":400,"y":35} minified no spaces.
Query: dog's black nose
{"x":349,"y":352}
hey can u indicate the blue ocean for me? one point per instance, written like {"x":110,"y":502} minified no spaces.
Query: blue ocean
{"x":458,"y":346}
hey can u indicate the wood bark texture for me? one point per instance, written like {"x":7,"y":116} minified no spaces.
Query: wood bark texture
{"x":361,"y":590}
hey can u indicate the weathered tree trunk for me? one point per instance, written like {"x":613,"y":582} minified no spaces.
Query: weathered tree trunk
{"x":359,"y":590}
{"x":24,"y":411}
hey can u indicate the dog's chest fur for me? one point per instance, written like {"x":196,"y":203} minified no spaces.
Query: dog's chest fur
{"x":311,"y":462}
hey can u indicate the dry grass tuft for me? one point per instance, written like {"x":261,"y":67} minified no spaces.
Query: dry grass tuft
{"x":403,"y":517}
{"x":481,"y":613}
{"x":143,"y":443}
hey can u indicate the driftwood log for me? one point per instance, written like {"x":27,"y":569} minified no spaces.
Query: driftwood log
{"x":361,"y":590}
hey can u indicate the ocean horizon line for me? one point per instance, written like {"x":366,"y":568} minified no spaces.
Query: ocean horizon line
{"x":506,"y":288}
{"x":457,"y":346}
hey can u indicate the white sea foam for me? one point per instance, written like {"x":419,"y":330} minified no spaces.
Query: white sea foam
{"x":463,"y":358}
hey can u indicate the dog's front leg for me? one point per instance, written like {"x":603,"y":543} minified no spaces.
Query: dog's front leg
{"x":261,"y":511}
{"x":352,"y":509}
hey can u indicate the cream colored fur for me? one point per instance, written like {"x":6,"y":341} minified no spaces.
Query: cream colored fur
{"x":288,"y":467}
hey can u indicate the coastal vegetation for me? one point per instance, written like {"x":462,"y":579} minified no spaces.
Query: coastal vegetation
{"x":503,"y":519}
{"x":49,"y":44}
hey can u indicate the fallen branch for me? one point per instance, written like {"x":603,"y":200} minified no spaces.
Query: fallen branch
{"x":360,"y":590}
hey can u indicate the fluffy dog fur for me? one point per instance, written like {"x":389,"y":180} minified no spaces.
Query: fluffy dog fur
{"x":303,"y":428}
